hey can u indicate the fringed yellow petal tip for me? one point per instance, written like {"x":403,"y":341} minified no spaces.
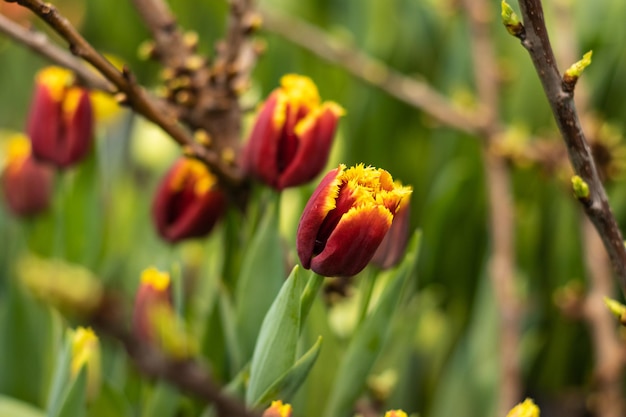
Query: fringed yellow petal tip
{"x":17,"y":147}
{"x":156,"y":279}
{"x":278,"y":409}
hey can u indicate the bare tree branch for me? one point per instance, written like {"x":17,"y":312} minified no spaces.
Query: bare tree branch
{"x":134,"y":95}
{"x":535,"y":39}
{"x":501,"y":207}
{"x":411,"y":91}
{"x":39,"y":42}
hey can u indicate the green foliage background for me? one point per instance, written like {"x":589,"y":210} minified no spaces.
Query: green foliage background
{"x":449,"y":347}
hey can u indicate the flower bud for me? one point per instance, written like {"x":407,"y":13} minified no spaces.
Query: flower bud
{"x":291,"y":138}
{"x":346,"y":219}
{"x":525,"y":409}
{"x":188,"y":201}
{"x":278,"y":409}
{"x":26,"y":184}
{"x":86,"y":352}
{"x":392,"y":248}
{"x":60,"y":121}
{"x":395,"y":413}
{"x":154,"y":290}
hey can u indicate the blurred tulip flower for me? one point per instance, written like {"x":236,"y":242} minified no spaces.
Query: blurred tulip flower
{"x":346,"y":219}
{"x":278,"y":409}
{"x":292,"y":136}
{"x":86,"y":352}
{"x":60,"y":120}
{"x":154,"y":290}
{"x":395,"y":413}
{"x":392,"y":248}
{"x":26,"y":184}
{"x":188,"y":201}
{"x":526,"y":409}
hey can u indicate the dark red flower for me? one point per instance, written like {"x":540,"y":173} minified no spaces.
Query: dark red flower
{"x":60,"y":121}
{"x":346,"y":218}
{"x":291,"y":139}
{"x":391,"y":249}
{"x":188,"y":201}
{"x":26,"y":183}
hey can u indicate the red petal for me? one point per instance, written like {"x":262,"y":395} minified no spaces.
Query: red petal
{"x":261,"y":152}
{"x":353,"y":242}
{"x":314,"y":214}
{"x":43,"y":125}
{"x":313,"y":150}
{"x":28,"y":187}
{"x":78,"y":132}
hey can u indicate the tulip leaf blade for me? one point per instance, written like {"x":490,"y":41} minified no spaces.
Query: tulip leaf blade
{"x":16,"y":408}
{"x":275,"y":350}
{"x":369,"y":338}
{"x":255,"y":293}
{"x":73,"y":403}
{"x":287,"y":385}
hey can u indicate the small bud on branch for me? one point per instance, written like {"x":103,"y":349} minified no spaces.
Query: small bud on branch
{"x":573,"y":72}
{"x":580,"y":187}
{"x":617,"y":309}
{"x":511,"y":21}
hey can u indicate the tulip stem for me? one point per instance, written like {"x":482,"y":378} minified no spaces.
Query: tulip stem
{"x":308,"y":295}
{"x":367,"y":288}
{"x":59,"y":214}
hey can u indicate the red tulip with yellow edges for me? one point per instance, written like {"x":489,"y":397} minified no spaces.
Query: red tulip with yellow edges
{"x":26,"y":184}
{"x":188,"y":201}
{"x":154,"y":291}
{"x":291,"y":139}
{"x":346,"y":219}
{"x":60,"y":120}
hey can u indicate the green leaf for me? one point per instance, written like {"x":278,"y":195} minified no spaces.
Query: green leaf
{"x":10,"y":407}
{"x":260,"y":279}
{"x":369,"y":338}
{"x":275,"y":351}
{"x":163,"y":401}
{"x":287,"y":385}
{"x":110,"y":403}
{"x":74,"y":401}
{"x":60,"y":378}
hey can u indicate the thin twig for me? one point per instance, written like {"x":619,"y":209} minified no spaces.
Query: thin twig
{"x":501,"y":211}
{"x":189,"y":375}
{"x":39,"y":42}
{"x":596,"y":206}
{"x":609,"y":359}
{"x":134,"y":95}
{"x":409,"y":90}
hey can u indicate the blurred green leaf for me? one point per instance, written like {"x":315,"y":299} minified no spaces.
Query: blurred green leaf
{"x":368,"y":339}
{"x":110,"y":403}
{"x":10,"y":407}
{"x":163,"y":401}
{"x":275,"y":351}
{"x":73,"y":403}
{"x":261,"y":277}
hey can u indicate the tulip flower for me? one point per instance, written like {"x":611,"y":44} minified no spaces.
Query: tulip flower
{"x":391,"y":249}
{"x":526,"y":409}
{"x":60,"y":121}
{"x":346,"y":219}
{"x":395,"y":413}
{"x":86,"y":352}
{"x":154,"y":290}
{"x":188,"y":201}
{"x":291,"y":139}
{"x":26,"y":184}
{"x":278,"y":409}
